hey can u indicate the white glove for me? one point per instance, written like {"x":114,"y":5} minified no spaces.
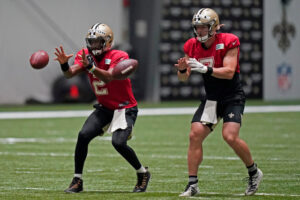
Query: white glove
{"x":197,"y":66}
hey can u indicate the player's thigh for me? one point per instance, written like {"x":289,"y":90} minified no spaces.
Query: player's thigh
{"x":96,"y":121}
{"x":230,"y":131}
{"x":233,"y":112}
{"x":198,"y":116}
{"x":131,"y":115}
{"x":232,"y":117}
{"x":122,"y":135}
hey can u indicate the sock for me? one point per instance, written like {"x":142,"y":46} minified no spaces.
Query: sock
{"x":141,"y":170}
{"x":252,"y":169}
{"x":78,"y":176}
{"x":193,"y":180}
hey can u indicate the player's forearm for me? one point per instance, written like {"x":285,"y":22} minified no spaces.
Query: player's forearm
{"x":103,"y":75}
{"x":223,"y":73}
{"x":66,"y":69}
{"x":68,"y":74}
{"x":182,"y":76}
{"x":70,"y":71}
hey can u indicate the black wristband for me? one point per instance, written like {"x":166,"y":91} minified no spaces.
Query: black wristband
{"x":65,"y":66}
{"x":182,"y":71}
{"x":209,"y":70}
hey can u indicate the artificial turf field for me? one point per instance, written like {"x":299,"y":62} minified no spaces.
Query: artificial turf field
{"x":36,"y":159}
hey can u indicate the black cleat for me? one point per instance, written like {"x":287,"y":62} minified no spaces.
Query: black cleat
{"x":142,"y":181}
{"x":75,"y":186}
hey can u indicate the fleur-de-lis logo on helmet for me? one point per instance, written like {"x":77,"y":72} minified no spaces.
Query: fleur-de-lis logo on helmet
{"x":206,"y":16}
{"x":99,"y":39}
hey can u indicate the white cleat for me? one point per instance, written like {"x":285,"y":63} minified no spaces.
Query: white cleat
{"x":253,"y":183}
{"x":190,"y":190}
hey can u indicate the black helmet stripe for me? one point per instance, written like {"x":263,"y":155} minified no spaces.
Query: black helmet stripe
{"x":95,"y":26}
{"x":200,"y":11}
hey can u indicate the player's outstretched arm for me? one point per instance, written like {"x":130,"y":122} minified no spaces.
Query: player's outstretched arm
{"x":88,"y":62}
{"x":62,"y":58}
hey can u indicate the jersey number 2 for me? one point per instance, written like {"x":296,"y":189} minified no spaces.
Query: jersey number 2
{"x":98,"y":90}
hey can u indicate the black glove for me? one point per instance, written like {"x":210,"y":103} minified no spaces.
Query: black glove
{"x":91,"y":62}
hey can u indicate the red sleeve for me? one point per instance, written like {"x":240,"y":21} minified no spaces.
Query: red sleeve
{"x":232,"y":41}
{"x":78,"y":57}
{"x":116,"y":57}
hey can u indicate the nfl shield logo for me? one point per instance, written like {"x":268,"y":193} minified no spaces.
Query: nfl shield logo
{"x":284,"y":77}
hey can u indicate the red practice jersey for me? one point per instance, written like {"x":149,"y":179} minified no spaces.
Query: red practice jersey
{"x":222,"y":90}
{"x":213,"y":57}
{"x":117,"y":93}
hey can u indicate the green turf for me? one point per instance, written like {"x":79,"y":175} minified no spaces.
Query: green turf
{"x":44,"y":168}
{"x":163,"y":104}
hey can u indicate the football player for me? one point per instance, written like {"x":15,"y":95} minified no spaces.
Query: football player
{"x":216,"y":57}
{"x":116,"y":108}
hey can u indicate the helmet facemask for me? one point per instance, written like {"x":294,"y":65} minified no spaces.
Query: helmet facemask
{"x":206,"y":17}
{"x":203,"y":38}
{"x":95,"y":45}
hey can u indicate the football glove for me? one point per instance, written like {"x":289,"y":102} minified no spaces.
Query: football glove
{"x":197,"y":66}
{"x":90,"y":59}
{"x":91,"y":64}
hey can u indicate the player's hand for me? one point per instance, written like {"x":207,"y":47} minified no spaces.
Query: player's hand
{"x":61,"y":57}
{"x":84,"y":59}
{"x":87,"y":60}
{"x":197,"y":66}
{"x":181,"y":64}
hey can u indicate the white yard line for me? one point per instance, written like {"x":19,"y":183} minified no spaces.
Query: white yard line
{"x":11,"y":140}
{"x":142,"y":112}
{"x":155,"y":192}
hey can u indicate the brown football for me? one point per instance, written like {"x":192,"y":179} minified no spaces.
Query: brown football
{"x":39,"y":59}
{"x":124,"y":69}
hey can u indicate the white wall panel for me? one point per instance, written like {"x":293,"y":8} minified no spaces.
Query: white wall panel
{"x":25,"y":29}
{"x":281,"y":66}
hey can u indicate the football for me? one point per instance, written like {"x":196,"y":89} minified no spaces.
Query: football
{"x":124,"y":69}
{"x":39,"y":59}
